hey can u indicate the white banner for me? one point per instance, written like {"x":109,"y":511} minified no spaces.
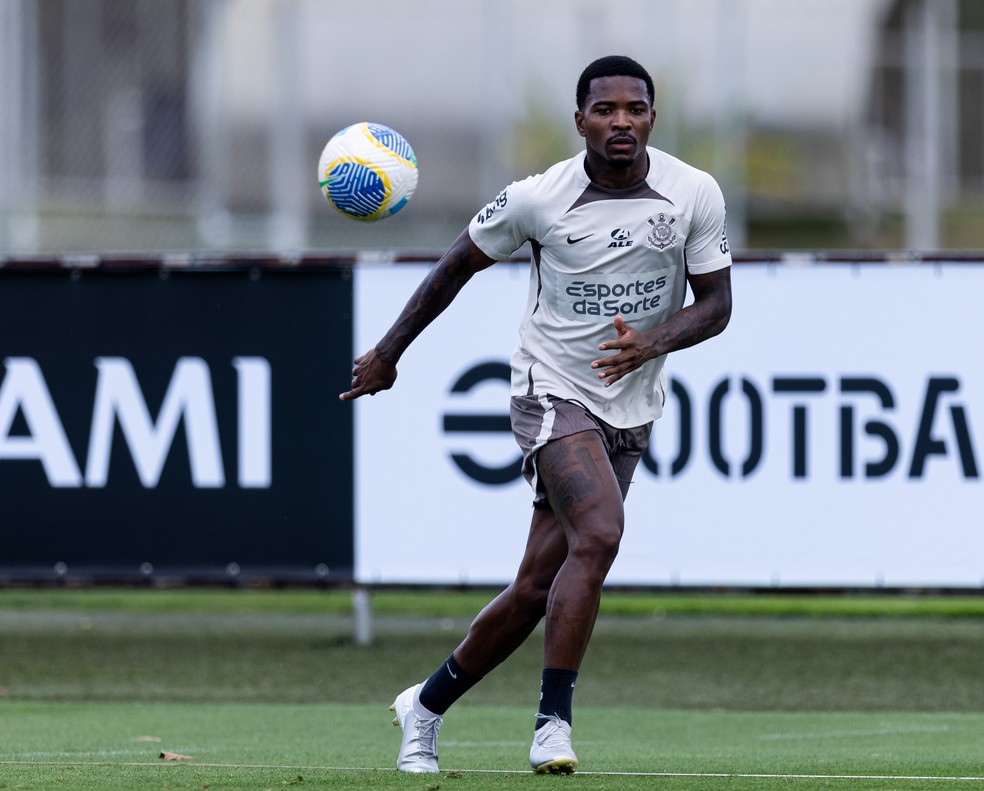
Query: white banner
{"x":832,"y":436}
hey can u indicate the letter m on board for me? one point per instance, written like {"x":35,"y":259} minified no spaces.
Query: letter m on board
{"x":189,"y":395}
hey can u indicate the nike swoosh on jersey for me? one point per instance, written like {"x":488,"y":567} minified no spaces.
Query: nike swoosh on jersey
{"x":579,"y":239}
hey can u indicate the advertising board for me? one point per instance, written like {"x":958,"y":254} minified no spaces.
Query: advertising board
{"x":164,"y":422}
{"x":832,"y":436}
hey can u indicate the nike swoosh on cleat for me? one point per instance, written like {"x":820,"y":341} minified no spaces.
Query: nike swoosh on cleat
{"x":579,"y":239}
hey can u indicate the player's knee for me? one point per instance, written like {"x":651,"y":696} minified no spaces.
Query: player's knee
{"x":599,"y":546}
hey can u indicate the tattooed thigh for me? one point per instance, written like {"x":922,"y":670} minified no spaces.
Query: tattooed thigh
{"x":577,"y":472}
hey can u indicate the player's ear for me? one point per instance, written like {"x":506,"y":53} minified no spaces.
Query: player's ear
{"x":579,"y":122}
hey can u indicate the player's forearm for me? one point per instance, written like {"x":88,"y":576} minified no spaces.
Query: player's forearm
{"x":690,"y":326}
{"x":431,"y":298}
{"x":706,"y":317}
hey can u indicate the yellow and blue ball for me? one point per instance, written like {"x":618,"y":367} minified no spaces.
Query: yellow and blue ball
{"x":368,"y":171}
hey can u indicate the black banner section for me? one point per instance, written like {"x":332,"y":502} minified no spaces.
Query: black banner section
{"x":180,"y":422}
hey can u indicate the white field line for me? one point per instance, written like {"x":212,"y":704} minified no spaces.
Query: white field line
{"x":857,"y":732}
{"x":288,"y":767}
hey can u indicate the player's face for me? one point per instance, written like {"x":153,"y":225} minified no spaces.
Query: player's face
{"x":616,"y":121}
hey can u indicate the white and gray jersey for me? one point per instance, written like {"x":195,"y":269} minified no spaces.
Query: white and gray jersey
{"x":596,"y":254}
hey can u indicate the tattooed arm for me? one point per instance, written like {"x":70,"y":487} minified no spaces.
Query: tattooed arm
{"x":376,"y":369}
{"x":706,"y":317}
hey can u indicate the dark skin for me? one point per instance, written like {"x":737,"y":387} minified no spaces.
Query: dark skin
{"x":573,"y":541}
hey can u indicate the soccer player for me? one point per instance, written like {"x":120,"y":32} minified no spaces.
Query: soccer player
{"x":617,"y":232}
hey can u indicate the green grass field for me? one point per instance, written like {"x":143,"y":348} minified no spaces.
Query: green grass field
{"x":267,"y":689}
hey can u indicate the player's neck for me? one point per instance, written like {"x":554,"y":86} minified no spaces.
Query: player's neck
{"x":616,"y":176}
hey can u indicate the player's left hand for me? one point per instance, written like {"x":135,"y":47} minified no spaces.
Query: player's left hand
{"x":632,"y":350}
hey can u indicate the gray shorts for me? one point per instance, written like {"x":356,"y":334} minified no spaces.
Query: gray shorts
{"x":538,"y":419}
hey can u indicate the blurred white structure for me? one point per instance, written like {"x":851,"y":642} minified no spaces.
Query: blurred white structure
{"x":158,"y":124}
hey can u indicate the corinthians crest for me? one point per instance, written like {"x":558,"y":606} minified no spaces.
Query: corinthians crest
{"x":663,"y":234}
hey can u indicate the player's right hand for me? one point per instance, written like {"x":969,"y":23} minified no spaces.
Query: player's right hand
{"x":370,"y":374}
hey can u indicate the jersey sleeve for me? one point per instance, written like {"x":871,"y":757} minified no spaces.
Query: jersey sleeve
{"x":707,"y":245}
{"x":505,"y":224}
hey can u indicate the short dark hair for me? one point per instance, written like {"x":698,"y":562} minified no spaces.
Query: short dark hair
{"x":612,"y":66}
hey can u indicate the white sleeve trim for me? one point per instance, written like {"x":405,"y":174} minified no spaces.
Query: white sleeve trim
{"x":706,"y":267}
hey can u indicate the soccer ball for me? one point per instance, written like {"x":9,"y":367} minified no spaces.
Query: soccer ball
{"x":367,"y":171}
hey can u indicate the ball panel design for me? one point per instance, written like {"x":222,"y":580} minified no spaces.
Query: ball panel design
{"x":355,"y":189}
{"x":393,"y":141}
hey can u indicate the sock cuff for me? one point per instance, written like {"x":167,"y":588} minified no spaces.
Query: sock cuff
{"x":459,"y":672}
{"x":557,"y":674}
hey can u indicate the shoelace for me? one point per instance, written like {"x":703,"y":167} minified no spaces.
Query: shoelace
{"x":426,"y":736}
{"x":551,"y":737}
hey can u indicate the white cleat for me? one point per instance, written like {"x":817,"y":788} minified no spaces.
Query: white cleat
{"x":551,"y":752}
{"x":418,"y":752}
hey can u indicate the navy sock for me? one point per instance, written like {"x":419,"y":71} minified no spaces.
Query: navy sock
{"x":556,"y":694}
{"x":448,"y":683}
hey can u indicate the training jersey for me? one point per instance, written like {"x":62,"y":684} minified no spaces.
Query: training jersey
{"x":599,"y":253}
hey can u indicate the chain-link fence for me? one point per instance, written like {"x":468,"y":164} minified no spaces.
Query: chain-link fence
{"x":190,"y":124}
